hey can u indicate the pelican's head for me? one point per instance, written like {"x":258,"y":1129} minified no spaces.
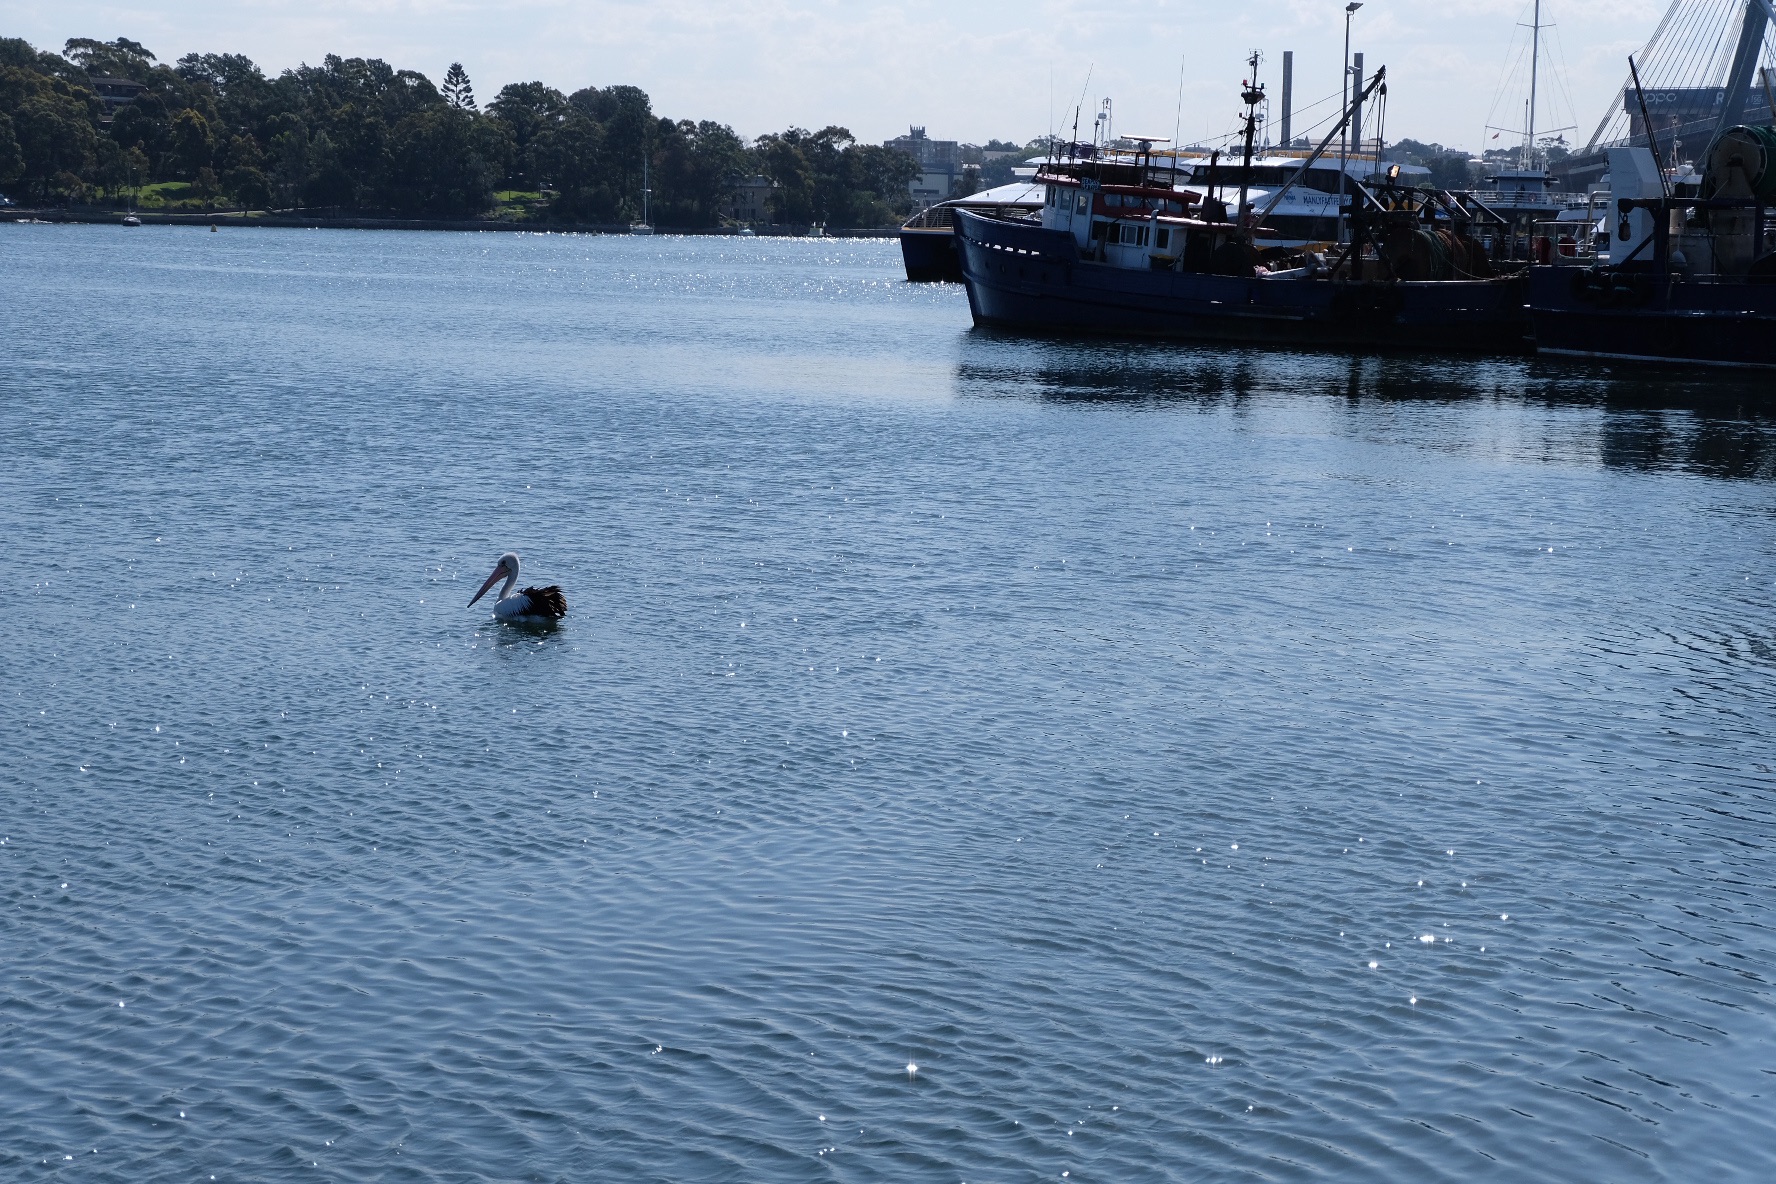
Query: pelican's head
{"x":506,"y":569}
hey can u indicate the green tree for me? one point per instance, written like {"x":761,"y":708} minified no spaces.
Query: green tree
{"x":136,"y":162}
{"x":53,"y":126}
{"x":875,"y":185}
{"x":12,"y":157}
{"x":289,"y":156}
{"x":826,"y":176}
{"x":68,"y":187}
{"x":446,"y":162}
{"x":627,"y":129}
{"x":248,"y":187}
{"x":193,"y":147}
{"x":121,"y":58}
{"x":111,"y":171}
{"x":694,"y":171}
{"x":570,"y":154}
{"x":457,"y":91}
{"x":146,"y":124}
{"x":242,"y":95}
{"x":528,"y":110}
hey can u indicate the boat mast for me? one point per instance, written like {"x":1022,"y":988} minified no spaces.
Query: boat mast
{"x":1253,"y":95}
{"x":1535,"y":60}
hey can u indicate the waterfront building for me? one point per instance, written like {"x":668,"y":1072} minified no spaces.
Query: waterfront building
{"x":751,"y":201}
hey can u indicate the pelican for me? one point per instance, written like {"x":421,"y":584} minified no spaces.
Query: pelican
{"x":531,"y":606}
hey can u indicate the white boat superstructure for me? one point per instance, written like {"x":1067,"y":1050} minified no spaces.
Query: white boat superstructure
{"x":1308,"y":212}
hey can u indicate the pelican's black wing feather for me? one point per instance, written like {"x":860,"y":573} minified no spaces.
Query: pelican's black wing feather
{"x":547,"y":602}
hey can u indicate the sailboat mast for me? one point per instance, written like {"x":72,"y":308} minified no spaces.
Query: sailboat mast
{"x":1535,"y":61}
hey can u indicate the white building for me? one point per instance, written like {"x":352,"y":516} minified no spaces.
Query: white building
{"x":751,"y":203}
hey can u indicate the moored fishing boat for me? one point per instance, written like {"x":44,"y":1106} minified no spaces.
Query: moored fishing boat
{"x":1119,"y":248}
{"x":1691,"y":278}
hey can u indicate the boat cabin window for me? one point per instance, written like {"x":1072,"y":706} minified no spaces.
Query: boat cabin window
{"x":1081,"y":202}
{"x":1163,"y":239}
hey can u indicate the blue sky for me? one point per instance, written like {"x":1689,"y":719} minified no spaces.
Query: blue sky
{"x":965,"y":70}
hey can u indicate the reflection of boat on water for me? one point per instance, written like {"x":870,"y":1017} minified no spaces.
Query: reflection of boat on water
{"x":1120,"y":248}
{"x":928,"y":238}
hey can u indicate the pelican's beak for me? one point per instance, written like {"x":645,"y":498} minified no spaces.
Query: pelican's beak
{"x":491,"y":581}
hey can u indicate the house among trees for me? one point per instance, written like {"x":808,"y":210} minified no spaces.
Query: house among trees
{"x":115,"y":93}
{"x":751,"y":204}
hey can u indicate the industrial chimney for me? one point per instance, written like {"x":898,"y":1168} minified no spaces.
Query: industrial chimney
{"x":1288,"y":92}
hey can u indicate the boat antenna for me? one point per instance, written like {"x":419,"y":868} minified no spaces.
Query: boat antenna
{"x":1178,"y":120}
{"x":1646,"y":121}
{"x":1081,"y":103}
{"x":1252,"y":96}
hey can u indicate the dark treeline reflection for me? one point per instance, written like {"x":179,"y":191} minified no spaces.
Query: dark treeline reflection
{"x":104,"y":119}
{"x":1713,"y":424}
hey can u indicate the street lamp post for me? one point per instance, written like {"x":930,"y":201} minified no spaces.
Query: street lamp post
{"x":1350,"y":10}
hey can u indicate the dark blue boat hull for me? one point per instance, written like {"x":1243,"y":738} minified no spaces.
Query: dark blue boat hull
{"x":1020,"y":276}
{"x":1640,"y":317}
{"x":930,"y":256}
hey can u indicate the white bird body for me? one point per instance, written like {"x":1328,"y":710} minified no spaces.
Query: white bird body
{"x":526,"y":606}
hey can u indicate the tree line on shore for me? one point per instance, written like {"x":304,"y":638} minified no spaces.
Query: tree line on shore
{"x":358,"y":135}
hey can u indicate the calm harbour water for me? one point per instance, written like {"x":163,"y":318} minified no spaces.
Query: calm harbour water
{"x":1201,"y":765}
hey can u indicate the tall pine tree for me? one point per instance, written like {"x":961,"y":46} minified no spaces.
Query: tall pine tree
{"x":457,"y":91}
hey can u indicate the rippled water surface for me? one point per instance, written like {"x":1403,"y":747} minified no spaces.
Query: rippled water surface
{"x":1200,"y":765}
